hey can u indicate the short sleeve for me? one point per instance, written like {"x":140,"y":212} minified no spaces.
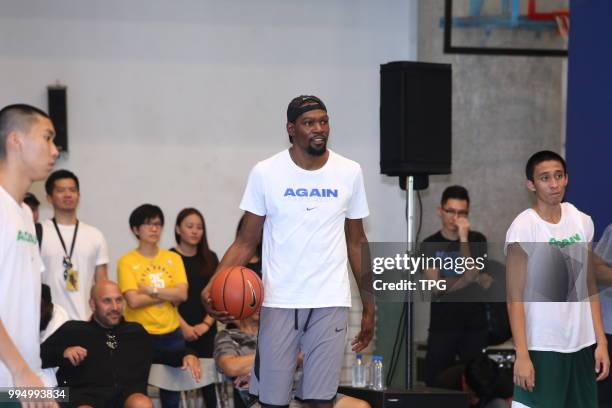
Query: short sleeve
{"x":253,"y":199}
{"x":519,"y":232}
{"x":102,"y":257}
{"x":604,"y":247}
{"x":589,"y":228}
{"x":127,"y":279}
{"x":358,"y":205}
{"x":225,"y":346}
{"x":179,"y":268}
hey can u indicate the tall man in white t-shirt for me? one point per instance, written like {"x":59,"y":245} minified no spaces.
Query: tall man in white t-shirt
{"x":27,"y":154}
{"x":310,"y":203}
{"x":554,"y":310}
{"x":75,"y":254}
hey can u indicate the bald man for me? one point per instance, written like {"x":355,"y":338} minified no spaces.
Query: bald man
{"x":108,"y":352}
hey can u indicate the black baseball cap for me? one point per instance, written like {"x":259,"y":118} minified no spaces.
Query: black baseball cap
{"x":302,"y":104}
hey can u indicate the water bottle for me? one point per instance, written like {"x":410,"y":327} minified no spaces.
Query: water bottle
{"x":358,"y":372}
{"x":369,"y":374}
{"x":378,"y":373}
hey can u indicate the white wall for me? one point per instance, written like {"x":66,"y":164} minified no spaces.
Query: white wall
{"x":173,"y":102}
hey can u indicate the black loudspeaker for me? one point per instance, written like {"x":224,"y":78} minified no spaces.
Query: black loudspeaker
{"x":415,"y":118}
{"x":59,"y":115}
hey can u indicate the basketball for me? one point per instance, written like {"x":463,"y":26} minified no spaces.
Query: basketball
{"x":238,"y":291}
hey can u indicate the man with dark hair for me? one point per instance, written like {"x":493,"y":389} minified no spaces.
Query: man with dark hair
{"x":153,"y":281}
{"x":457,"y":325}
{"x":106,"y":360}
{"x":539,"y":157}
{"x":556,"y":364}
{"x":31,"y":201}
{"x":310,"y":203}
{"x":75,"y":254}
{"x":27,"y":154}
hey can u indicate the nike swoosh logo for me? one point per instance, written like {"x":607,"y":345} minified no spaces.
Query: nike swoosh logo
{"x":253,"y":295}
{"x":338,"y":330}
{"x":310,"y":208}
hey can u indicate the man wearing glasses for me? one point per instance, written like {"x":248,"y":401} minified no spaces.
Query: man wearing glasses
{"x":457,"y":325}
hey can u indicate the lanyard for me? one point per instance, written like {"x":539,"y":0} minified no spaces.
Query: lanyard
{"x":68,"y":256}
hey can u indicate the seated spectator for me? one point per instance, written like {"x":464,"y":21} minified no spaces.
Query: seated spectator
{"x":235,"y":356}
{"x":482,"y":379}
{"x":106,"y":361}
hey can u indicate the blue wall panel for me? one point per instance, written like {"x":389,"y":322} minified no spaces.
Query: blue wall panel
{"x":589,"y":110}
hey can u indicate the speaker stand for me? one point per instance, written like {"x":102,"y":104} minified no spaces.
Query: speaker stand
{"x":410,"y":249}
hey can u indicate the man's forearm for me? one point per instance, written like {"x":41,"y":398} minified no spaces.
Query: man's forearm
{"x":9,"y":354}
{"x":239,"y":253}
{"x":600,"y":334}
{"x":363,"y":278}
{"x":516,"y":314}
{"x":234,"y":366}
{"x":51,"y":353}
{"x":137,"y":300}
{"x":173,"y":295}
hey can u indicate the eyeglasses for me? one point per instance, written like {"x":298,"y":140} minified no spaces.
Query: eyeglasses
{"x":155,"y":224}
{"x":111,"y":341}
{"x":458,"y":213}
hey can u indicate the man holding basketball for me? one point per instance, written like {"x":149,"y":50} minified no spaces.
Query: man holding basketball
{"x":310,"y":203}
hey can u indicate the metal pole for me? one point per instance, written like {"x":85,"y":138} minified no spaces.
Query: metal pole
{"x":408,"y":316}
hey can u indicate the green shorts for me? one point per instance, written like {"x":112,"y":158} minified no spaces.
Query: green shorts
{"x":561,"y":380}
{"x":4,"y":403}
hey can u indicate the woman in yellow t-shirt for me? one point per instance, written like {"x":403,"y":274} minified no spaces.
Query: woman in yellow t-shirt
{"x":153,"y":282}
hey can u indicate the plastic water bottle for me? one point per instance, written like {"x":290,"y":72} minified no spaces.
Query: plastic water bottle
{"x":358,"y":372}
{"x":369,"y":374}
{"x":378,"y":373}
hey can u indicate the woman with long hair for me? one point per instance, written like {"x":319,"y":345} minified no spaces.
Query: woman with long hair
{"x":198,"y":328}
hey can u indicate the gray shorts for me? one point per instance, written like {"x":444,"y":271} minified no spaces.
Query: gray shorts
{"x":319,"y":333}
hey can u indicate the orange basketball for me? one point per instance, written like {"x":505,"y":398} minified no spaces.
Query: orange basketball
{"x":237,"y":290}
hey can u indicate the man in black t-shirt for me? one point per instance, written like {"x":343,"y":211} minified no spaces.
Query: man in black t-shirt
{"x":457,"y":324}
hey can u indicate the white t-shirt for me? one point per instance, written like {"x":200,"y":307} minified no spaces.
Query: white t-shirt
{"x":58,"y":318}
{"x":304,"y":262}
{"x":90,"y":250}
{"x":20,"y":280}
{"x":555,"y":326}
